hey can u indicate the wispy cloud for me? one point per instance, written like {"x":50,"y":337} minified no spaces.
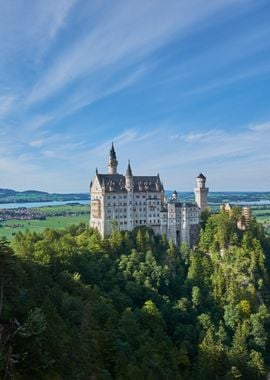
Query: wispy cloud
{"x":202,"y":136}
{"x":6,"y":104}
{"x":260,"y":127}
{"x":116,"y":40}
{"x":143,"y":67}
{"x":24,"y":30}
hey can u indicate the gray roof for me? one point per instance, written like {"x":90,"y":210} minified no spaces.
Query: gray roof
{"x":112,"y":152}
{"x":116,"y":183}
{"x":183,"y":204}
{"x":201,"y":176}
{"x":129,"y":171}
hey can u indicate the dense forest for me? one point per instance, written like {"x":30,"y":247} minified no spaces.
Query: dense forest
{"x":133,"y":306}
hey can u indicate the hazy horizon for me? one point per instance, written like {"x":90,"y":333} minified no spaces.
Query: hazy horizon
{"x":166,"y":190}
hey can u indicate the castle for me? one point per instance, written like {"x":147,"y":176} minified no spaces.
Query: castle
{"x":128,"y":201}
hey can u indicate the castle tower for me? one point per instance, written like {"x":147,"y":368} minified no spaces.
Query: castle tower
{"x":201,"y":192}
{"x":112,"y":164}
{"x":129,"y":178}
{"x":175,"y":196}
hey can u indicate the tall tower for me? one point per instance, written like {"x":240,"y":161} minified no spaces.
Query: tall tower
{"x":129,"y":178}
{"x":201,"y":192}
{"x":175,"y":196}
{"x":112,"y":164}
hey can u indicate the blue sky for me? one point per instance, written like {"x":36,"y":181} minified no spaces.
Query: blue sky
{"x":179,"y":86}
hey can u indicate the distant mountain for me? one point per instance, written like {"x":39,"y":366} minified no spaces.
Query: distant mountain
{"x":7,"y":192}
{"x":13,"y":196}
{"x":34,"y":192}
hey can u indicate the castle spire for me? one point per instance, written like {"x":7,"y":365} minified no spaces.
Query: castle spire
{"x":129,"y":171}
{"x":112,"y":152}
{"x":112,"y":164}
{"x":129,"y":178}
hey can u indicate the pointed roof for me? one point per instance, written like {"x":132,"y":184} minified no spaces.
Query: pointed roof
{"x":201,"y":176}
{"x":129,"y":171}
{"x":112,"y":152}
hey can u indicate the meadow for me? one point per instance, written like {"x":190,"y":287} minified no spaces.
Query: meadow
{"x":57,"y":217}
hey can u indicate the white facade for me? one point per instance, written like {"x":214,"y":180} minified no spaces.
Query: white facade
{"x":127,"y":201}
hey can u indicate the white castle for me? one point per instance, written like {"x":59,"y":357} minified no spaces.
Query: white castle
{"x":128,"y":201}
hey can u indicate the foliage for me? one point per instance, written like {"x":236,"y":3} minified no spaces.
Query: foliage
{"x":133,"y":305}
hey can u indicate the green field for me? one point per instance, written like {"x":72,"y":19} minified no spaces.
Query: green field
{"x":63,"y":209}
{"x":11,"y":227}
{"x":262,"y":214}
{"x":57,"y":217}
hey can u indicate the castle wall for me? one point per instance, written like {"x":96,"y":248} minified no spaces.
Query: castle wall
{"x":127,"y":202}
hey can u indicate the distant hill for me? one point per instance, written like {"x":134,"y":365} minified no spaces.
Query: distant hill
{"x":218,"y":197}
{"x":13,"y":196}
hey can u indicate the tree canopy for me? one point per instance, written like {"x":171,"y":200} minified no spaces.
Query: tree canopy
{"x":74,"y":306}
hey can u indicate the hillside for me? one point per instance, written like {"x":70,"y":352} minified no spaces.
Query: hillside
{"x":13,"y":196}
{"x":133,"y":306}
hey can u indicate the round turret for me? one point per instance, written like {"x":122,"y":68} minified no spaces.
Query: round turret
{"x":201,"y":192}
{"x":201,"y":179}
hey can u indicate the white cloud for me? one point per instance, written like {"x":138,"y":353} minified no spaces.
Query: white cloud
{"x":202,"y":136}
{"x":260,"y":127}
{"x":36,"y":143}
{"x":107,"y":50}
{"x":127,"y":32}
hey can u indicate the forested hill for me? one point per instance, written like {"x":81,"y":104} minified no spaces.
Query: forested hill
{"x":12,"y":196}
{"x":133,"y":306}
